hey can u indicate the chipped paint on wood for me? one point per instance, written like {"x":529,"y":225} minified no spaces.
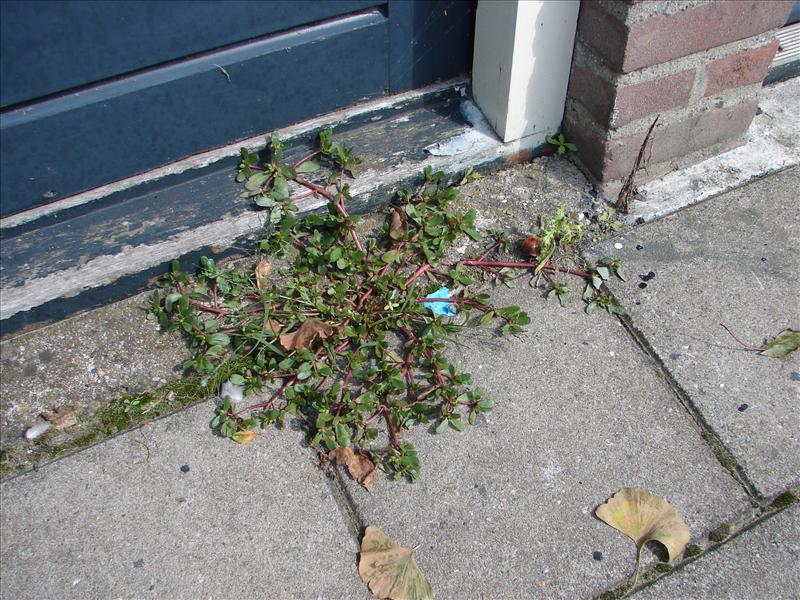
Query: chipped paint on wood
{"x":253,"y":144}
{"x":374,"y":187}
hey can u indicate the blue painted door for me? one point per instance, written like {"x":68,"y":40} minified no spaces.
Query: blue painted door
{"x":93,"y":92}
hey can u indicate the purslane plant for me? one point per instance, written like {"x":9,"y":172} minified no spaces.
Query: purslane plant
{"x":350,"y":337}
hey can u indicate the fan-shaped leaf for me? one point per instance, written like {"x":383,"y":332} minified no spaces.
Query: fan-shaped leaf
{"x":390,"y":570}
{"x":644,"y":517}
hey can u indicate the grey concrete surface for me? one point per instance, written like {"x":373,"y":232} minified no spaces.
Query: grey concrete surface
{"x":760,"y":564}
{"x":505,"y":509}
{"x":86,"y":361}
{"x":733,"y":260}
{"x":122,"y":520}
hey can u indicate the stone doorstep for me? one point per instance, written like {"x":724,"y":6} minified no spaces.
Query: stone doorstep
{"x":99,"y":249}
{"x":96,"y":357}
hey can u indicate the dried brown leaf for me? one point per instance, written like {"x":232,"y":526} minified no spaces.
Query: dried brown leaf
{"x":644,"y":517}
{"x":360,"y":467}
{"x":305,"y":334}
{"x":63,"y":417}
{"x":397,"y":225}
{"x":273,"y":326}
{"x":263,"y":267}
{"x":390,"y":570}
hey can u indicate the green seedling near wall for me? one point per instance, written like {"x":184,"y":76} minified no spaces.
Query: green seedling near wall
{"x":561,"y":144}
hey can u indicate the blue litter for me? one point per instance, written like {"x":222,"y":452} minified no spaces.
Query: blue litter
{"x":446,"y":309}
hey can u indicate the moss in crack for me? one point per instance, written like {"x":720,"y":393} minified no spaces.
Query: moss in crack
{"x":720,"y":534}
{"x":692,"y":550}
{"x":785,"y":499}
{"x":121,"y":414}
{"x":663,"y":567}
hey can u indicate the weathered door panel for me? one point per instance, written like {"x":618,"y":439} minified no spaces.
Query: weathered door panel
{"x":67,"y":44}
{"x":62,"y":146}
{"x":124,"y":87}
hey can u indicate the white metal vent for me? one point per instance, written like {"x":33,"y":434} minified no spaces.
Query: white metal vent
{"x":789,"y":50}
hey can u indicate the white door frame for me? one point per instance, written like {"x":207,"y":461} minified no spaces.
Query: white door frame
{"x":521,"y":64}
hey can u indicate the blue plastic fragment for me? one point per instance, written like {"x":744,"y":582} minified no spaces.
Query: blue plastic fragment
{"x":446,"y":309}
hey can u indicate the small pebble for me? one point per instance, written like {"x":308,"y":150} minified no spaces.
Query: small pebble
{"x":35,"y":431}
{"x":642,"y":285}
{"x":597,"y":555}
{"x":138,"y":564}
{"x":185,"y":469}
{"x":674,"y":355}
{"x":795,"y":376}
{"x":647,"y":277}
{"x":743,"y":407}
{"x":618,"y":246}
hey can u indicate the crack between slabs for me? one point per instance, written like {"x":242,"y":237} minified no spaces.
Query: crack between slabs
{"x":723,"y":455}
{"x":345,"y":503}
{"x":706,"y":546}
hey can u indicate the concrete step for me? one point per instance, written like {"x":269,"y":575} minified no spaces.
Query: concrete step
{"x":105,"y":244}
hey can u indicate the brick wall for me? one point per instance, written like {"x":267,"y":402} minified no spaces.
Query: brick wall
{"x":697,"y":63}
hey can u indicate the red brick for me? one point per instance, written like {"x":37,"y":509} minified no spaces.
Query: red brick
{"x":613,"y":159}
{"x":735,"y":70}
{"x":596,"y":94}
{"x":603,"y":32}
{"x":591,"y":149}
{"x":665,"y":37}
{"x":679,"y":139}
{"x":650,"y":97}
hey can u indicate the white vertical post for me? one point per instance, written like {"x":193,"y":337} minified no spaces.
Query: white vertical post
{"x":521,"y":62}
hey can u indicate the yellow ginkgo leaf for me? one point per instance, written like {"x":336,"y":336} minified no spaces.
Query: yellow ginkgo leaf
{"x":390,"y":570}
{"x":244,"y":437}
{"x":644,"y":518}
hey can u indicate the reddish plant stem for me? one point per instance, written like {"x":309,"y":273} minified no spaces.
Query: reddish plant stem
{"x":494,"y":247}
{"x":271,"y":402}
{"x":368,"y":293}
{"x":374,"y":416}
{"x":307,"y":194}
{"x":323,"y":192}
{"x":347,"y":377}
{"x":305,"y":158}
{"x":209,"y":309}
{"x":428,"y":392}
{"x":392,"y":432}
{"x":422,"y":268}
{"x":316,"y":189}
{"x":740,"y":342}
{"x":437,"y":372}
{"x":521,"y":265}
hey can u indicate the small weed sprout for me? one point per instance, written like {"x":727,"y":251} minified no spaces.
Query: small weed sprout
{"x":561,"y":144}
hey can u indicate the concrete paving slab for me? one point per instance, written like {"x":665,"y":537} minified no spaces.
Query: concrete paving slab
{"x":505,"y":509}
{"x":86,"y":360}
{"x":761,"y":564}
{"x":733,"y":260}
{"x":123,"y":520}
